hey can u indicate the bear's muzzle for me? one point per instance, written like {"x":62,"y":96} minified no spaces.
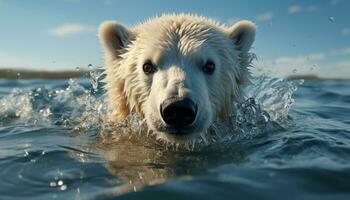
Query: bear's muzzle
{"x":178,"y":113}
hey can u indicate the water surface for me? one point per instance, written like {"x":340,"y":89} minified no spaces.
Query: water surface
{"x":292,"y":141}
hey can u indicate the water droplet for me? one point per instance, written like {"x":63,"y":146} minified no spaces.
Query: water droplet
{"x":331,"y":19}
{"x":295,"y":71}
{"x":94,"y":79}
{"x":77,"y":68}
{"x":60,"y":183}
{"x":63,"y":187}
{"x":53,"y":184}
{"x":18,"y":74}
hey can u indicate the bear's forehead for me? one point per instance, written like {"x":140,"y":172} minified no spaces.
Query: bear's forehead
{"x":185,"y":33}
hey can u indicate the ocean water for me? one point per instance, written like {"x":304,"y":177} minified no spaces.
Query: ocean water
{"x":291,"y":141}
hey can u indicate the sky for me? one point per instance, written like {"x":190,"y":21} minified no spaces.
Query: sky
{"x":293,"y":37}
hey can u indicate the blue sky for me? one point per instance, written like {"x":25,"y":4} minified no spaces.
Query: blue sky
{"x":300,"y":37}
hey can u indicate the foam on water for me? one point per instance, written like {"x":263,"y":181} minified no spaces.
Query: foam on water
{"x":84,"y":109}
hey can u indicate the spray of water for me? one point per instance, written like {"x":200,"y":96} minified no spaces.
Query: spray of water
{"x":84,"y":109}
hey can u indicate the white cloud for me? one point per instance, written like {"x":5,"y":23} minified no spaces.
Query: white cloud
{"x":345,"y":64}
{"x":295,"y":9}
{"x":313,"y":63}
{"x":69,"y":29}
{"x":287,"y":65}
{"x":312,"y":8}
{"x":299,"y":60}
{"x":316,"y":56}
{"x":264,"y":16}
{"x":340,"y":52}
{"x":339,"y":69}
{"x":345,"y":31}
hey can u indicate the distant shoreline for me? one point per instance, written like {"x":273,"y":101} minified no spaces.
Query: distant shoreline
{"x":33,"y":74}
{"x":311,"y":77}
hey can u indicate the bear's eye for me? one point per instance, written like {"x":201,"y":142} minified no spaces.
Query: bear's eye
{"x":148,"y":67}
{"x":209,"y":67}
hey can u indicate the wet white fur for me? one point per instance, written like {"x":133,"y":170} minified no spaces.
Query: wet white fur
{"x":179,"y":45}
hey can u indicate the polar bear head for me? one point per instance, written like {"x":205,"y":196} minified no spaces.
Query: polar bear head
{"x":180,"y":72}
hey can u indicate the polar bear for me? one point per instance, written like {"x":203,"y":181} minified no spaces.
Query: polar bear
{"x":180,"y":72}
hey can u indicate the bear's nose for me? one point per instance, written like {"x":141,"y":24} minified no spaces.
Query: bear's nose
{"x":178,"y":112}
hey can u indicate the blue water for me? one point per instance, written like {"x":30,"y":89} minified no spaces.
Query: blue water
{"x":292,"y":142}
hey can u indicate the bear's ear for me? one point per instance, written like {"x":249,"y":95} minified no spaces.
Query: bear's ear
{"x":243,"y":34}
{"x":113,"y":37}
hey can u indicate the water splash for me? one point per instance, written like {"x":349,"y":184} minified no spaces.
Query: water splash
{"x":20,"y":105}
{"x":84,"y":109}
{"x":274,"y":95}
{"x":95,"y":77}
{"x":73,"y":107}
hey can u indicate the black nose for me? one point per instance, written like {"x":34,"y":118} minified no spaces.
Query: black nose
{"x":178,"y":113}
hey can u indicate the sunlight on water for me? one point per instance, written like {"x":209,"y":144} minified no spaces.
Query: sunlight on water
{"x":82,"y":109}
